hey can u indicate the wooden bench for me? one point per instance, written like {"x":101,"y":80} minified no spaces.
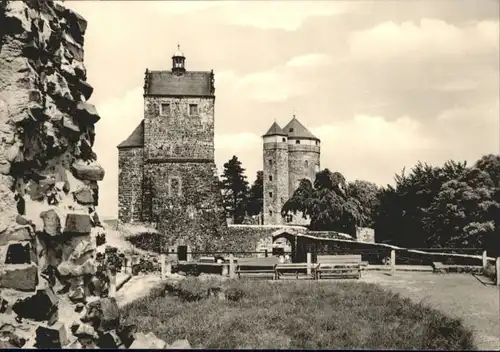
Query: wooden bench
{"x":338,"y":265}
{"x":257,"y":266}
{"x":294,"y":268}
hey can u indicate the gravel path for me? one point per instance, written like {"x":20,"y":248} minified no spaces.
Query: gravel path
{"x":473,"y":299}
{"x":137,"y":287}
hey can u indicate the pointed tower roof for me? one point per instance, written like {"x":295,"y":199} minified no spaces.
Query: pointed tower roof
{"x":136,"y":138}
{"x":294,"y":129}
{"x":274,"y":130}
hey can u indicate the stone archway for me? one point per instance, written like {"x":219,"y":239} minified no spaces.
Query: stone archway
{"x":291,"y":237}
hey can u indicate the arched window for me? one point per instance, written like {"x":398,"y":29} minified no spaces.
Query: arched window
{"x":297,"y":142}
{"x":306,"y":163}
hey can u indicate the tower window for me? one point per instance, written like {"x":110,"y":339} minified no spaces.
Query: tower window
{"x":270,"y":178}
{"x":270,"y":213}
{"x":174,"y":186}
{"x":306,"y":163}
{"x":317,"y":143}
{"x":270,"y":162}
{"x":193,"y":109}
{"x":297,"y":142}
{"x":271,"y":194}
{"x":164,"y":109}
{"x":283,"y":139}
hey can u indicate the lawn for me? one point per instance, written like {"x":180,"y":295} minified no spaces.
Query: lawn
{"x":299,"y":315}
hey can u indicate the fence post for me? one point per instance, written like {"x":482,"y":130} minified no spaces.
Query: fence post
{"x":225,"y":269}
{"x":485,"y":260}
{"x":163,"y":267}
{"x":112,"y":284}
{"x":309,"y":262}
{"x":231,"y":266}
{"x":498,"y":271}
{"x":125,"y":265}
{"x":393,"y":262}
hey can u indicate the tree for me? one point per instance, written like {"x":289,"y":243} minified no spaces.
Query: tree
{"x":400,"y":215}
{"x":463,"y":213}
{"x":491,"y":164}
{"x":328,"y":203}
{"x":255,"y":195}
{"x":234,"y":188}
{"x":367,"y":194}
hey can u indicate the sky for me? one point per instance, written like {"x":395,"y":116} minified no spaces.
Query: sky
{"x":383,"y":84}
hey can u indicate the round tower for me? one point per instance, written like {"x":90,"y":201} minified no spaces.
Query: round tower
{"x":275,"y":174}
{"x":303,"y":159}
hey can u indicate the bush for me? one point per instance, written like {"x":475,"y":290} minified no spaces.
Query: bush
{"x":490,"y":271}
{"x":191,"y":290}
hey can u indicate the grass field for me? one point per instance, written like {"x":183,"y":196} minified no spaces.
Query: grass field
{"x":300,"y":315}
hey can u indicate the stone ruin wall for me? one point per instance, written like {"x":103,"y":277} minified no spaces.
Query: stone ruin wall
{"x":49,"y":173}
{"x":49,"y":229}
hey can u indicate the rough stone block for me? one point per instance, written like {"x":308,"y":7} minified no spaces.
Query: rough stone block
{"x":42,"y":306}
{"x":76,"y":295}
{"x":87,"y":171}
{"x":86,"y":89}
{"x":23,"y":233}
{"x":70,"y":124}
{"x":86,"y":113}
{"x":51,"y":222}
{"x":95,"y":220}
{"x":78,"y":223}
{"x":84,"y":196}
{"x":51,"y":337}
{"x":9,"y":336}
{"x":21,"y":220}
{"x":85,"y":330}
{"x":104,"y":314}
{"x":18,"y":253}
{"x":140,"y":341}
{"x":70,"y":268}
{"x":74,"y":48}
{"x":109,"y":339}
{"x":22,"y":277}
{"x":5,"y":167}
{"x":179,"y":344}
{"x":126,"y":334}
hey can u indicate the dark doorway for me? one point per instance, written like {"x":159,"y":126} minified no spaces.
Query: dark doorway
{"x":182,"y":253}
{"x":278,"y":251}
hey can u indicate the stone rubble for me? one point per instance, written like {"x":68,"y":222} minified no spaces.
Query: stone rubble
{"x":54,"y":290}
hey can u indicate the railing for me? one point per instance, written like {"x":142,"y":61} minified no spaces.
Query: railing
{"x":224,"y":262}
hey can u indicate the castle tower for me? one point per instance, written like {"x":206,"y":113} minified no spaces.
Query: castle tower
{"x":303,"y":160}
{"x":275,"y":173}
{"x":173,"y":147}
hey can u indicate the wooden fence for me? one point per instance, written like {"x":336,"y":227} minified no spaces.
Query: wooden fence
{"x":227,"y":265}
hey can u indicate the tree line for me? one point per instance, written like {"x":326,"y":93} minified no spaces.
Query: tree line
{"x":453,"y":205}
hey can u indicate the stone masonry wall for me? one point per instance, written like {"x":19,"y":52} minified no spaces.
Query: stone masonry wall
{"x":48,"y":171}
{"x":184,"y":200}
{"x":303,"y":162}
{"x":277,"y":153}
{"x":130,"y":164}
{"x":177,"y":134}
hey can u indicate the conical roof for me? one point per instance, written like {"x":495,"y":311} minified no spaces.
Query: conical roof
{"x":275,"y":130}
{"x":136,"y":139}
{"x":294,"y":129}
